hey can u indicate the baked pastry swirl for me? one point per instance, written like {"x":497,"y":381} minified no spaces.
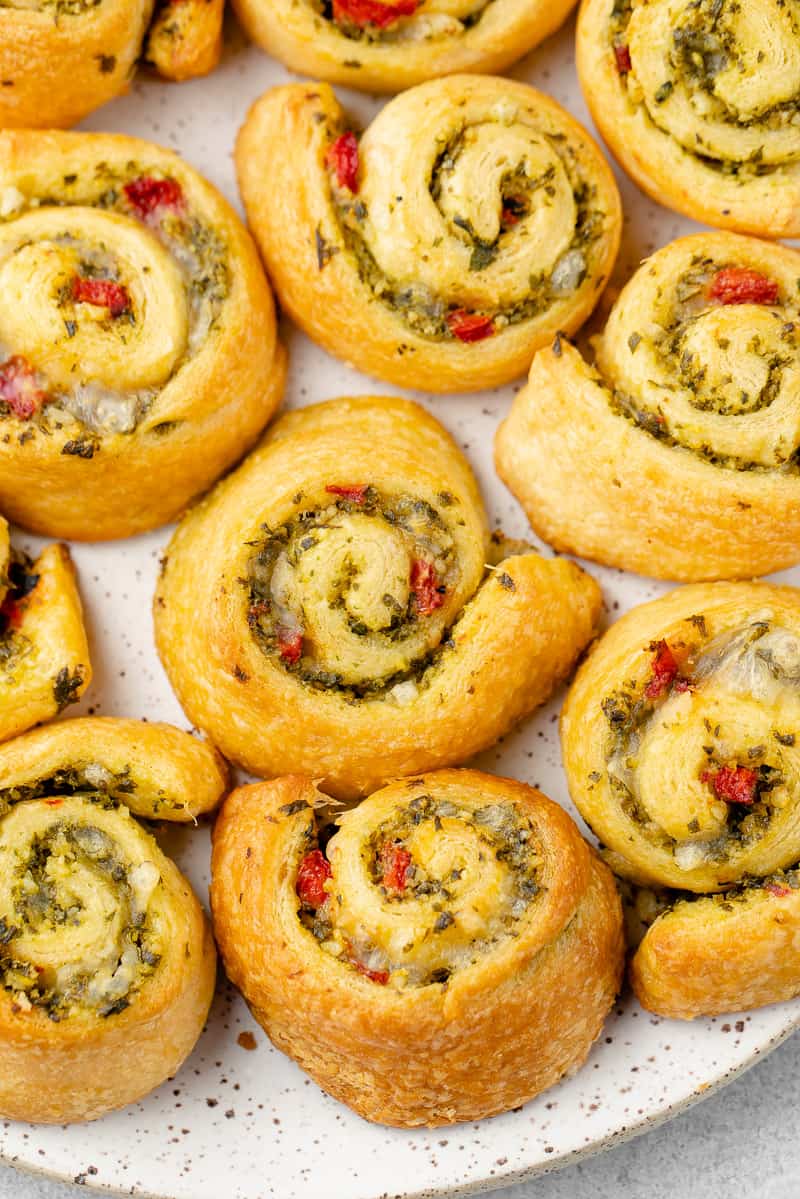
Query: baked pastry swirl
{"x":675,"y":453}
{"x":44,"y":655}
{"x":680,"y":740}
{"x":106,"y":958}
{"x":138,"y":349}
{"x":389,"y":45}
{"x":61,"y":59}
{"x":329,"y":609}
{"x":452,"y":920}
{"x":700,"y":102}
{"x":472,"y":220}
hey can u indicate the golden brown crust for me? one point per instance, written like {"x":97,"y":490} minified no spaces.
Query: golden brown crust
{"x":376,"y":688}
{"x":721,"y":149}
{"x":520,"y":1016}
{"x":430,"y":43}
{"x":98,"y":1010}
{"x":45,"y":661}
{"x":59,"y":62}
{"x":674,"y":456}
{"x":135,"y":411}
{"x":387,"y":286}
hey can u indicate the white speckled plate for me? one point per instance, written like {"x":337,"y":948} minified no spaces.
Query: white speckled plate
{"x":248,"y":1124}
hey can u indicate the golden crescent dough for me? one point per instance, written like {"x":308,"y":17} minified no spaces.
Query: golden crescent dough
{"x":329,"y":609}
{"x":139,"y":348}
{"x":379,"y":46}
{"x":473,"y":219}
{"x":106,"y":958}
{"x":675,"y":452}
{"x":699,"y":102}
{"x":62,"y":59}
{"x":44,"y":654}
{"x":464,"y":922}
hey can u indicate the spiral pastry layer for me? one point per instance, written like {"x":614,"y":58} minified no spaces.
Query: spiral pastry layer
{"x":700,"y":102}
{"x":389,"y":45}
{"x":452,"y":919}
{"x":44,"y":655}
{"x":138,"y":348}
{"x":331,"y":610}
{"x":61,"y":59}
{"x":676,"y":452}
{"x":471,"y":220}
{"x":106,"y":958}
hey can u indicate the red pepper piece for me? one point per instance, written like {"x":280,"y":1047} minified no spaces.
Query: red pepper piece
{"x":734,"y":784}
{"x":11,"y":613}
{"x":18,"y":387}
{"x":426,"y":587}
{"x":103,"y":293}
{"x":395,"y":862}
{"x":665,"y":670}
{"x":375,"y":976}
{"x":290,"y":644}
{"x":622,"y":57}
{"x":147,"y":195}
{"x":740,"y":285}
{"x":778,"y":889}
{"x":372,"y":12}
{"x":313,"y":873}
{"x":469,"y":326}
{"x":342,"y":158}
{"x":355,"y":492}
{"x":54,"y":803}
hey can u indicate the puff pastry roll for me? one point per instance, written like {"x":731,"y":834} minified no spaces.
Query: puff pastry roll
{"x":61,"y":59}
{"x":389,"y":45}
{"x":453,"y":921}
{"x":699,"y":102}
{"x":343,"y":612}
{"x":106,"y":958}
{"x":44,"y":655}
{"x":138,"y":347}
{"x":674,"y":450}
{"x":472,"y":220}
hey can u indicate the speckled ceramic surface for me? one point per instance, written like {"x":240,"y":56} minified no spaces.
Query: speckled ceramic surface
{"x":241,"y":1120}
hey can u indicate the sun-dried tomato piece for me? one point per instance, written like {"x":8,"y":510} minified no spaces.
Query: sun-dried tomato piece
{"x":147,"y":195}
{"x":426,"y":587}
{"x":778,"y":889}
{"x":734,"y":784}
{"x":312,"y":874}
{"x":622,"y":58}
{"x":19,"y":389}
{"x":376,"y":976}
{"x":372,"y":12}
{"x":665,"y":670}
{"x":103,"y":293}
{"x":290,"y":644}
{"x":355,"y":492}
{"x":54,"y":803}
{"x":395,"y":862}
{"x":740,"y":285}
{"x":469,"y":326}
{"x":342,"y":158}
{"x":514,"y":207}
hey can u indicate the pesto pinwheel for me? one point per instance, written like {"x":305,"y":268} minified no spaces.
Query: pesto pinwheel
{"x":138,"y":347}
{"x":61,"y":59}
{"x":699,"y":100}
{"x":345,"y":613}
{"x":389,"y":45}
{"x":674,"y":450}
{"x":106,"y":958}
{"x":681,"y":743}
{"x":44,"y":655}
{"x":443,"y":246}
{"x":451,"y":920}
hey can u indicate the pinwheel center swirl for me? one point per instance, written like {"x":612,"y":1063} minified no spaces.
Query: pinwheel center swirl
{"x":719,"y":76}
{"x":704,"y":758}
{"x":429,"y":890}
{"x":356,"y":593}
{"x":75,"y":931}
{"x":401,"y":22}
